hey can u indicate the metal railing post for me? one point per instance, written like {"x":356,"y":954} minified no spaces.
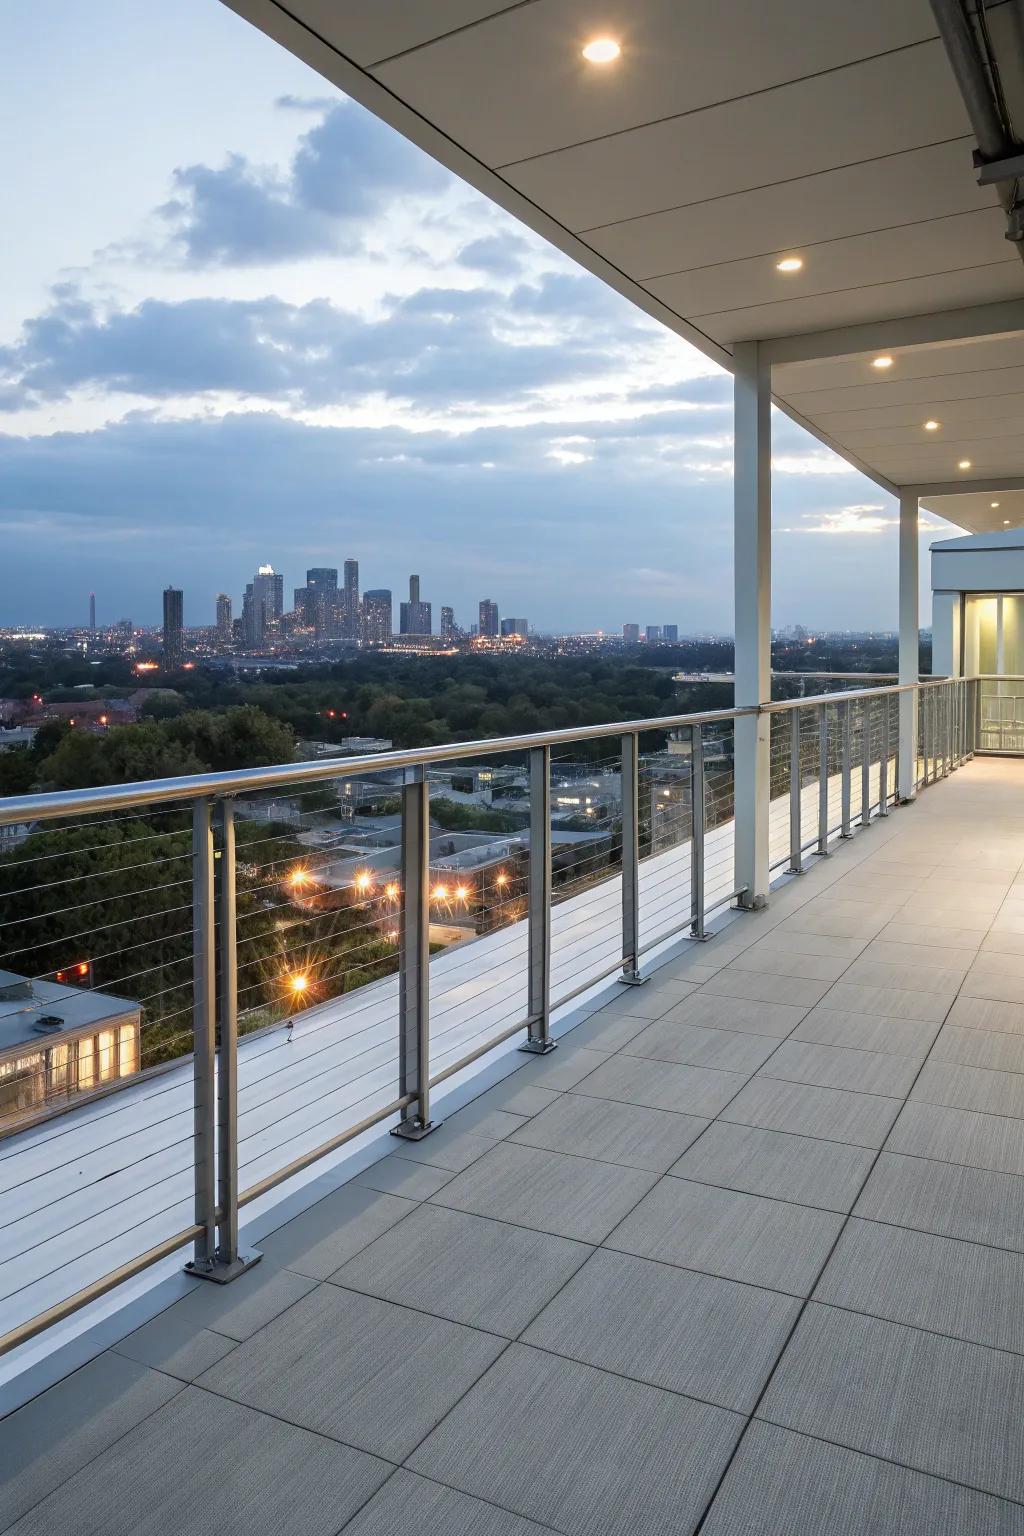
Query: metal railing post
{"x":538,"y":1039}
{"x":796,"y":856}
{"x":204,"y":1086}
{"x":631,"y":861}
{"x":697,"y":834}
{"x":844,"y":707}
{"x":414,"y":959}
{"x":865,"y":764}
{"x":823,"y":780}
{"x":883,"y":761}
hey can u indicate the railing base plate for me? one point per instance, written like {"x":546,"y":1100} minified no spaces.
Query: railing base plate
{"x":633,"y":979}
{"x":414,"y":1130}
{"x":222,"y":1271}
{"x":539,"y":1047}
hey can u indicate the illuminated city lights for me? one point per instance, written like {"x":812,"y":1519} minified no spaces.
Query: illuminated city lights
{"x":364,"y":880}
{"x":440,"y":893}
{"x":461,"y":892}
{"x":298,"y":983}
{"x":501,"y":879}
{"x":391,"y":891}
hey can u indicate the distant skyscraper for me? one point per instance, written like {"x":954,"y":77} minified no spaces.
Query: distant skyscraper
{"x":223,"y":617}
{"x":518,"y":627}
{"x":263,"y":605}
{"x":92,"y":610}
{"x":415,"y":617}
{"x":631,"y":634}
{"x":489,"y":622}
{"x":377,"y":615}
{"x":670,"y":632}
{"x":350,"y":601}
{"x":447,"y":623}
{"x":654,"y":631}
{"x":174,"y":633}
{"x":322,"y":600}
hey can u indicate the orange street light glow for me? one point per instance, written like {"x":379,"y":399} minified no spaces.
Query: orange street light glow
{"x":298,"y":983}
{"x":440,"y":892}
{"x":461,"y":893}
{"x":501,"y":880}
{"x":364,"y":880}
{"x":391,"y":891}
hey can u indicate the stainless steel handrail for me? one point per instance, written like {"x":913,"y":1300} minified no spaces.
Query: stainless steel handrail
{"x":950,"y":735}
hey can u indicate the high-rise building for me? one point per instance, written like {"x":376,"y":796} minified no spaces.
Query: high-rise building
{"x":377,"y":616}
{"x":92,"y":610}
{"x":174,"y":631}
{"x":447,"y":623}
{"x":415,"y":617}
{"x":518,"y":627}
{"x":262,"y":605}
{"x":489,"y":622}
{"x":653,"y":632}
{"x":320,"y":610}
{"x":631,"y":634}
{"x":670,"y":632}
{"x":350,"y":601}
{"x":223,"y":618}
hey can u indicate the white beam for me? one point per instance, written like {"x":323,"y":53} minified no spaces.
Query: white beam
{"x":752,"y":560}
{"x":945,"y":634}
{"x":1003,"y":319}
{"x":966,"y":487}
{"x":909,"y":650}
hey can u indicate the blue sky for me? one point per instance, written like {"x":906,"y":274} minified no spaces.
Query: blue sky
{"x":243,"y":321}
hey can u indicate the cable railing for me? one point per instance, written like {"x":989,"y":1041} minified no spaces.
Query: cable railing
{"x":163,"y":1057}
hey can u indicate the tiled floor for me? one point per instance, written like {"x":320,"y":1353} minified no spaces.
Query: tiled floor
{"x":745,"y":1255}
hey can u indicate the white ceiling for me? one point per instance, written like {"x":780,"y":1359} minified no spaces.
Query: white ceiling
{"x":724,"y":137}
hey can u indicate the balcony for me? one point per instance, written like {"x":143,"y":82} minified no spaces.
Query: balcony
{"x":744,"y":1250}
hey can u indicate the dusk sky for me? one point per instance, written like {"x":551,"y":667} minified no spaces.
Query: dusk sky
{"x":242,"y":321}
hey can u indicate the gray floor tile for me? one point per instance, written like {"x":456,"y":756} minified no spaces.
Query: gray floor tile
{"x":247,"y":1304}
{"x":563,"y":1068}
{"x":637,"y":1459}
{"x":612,"y":1132}
{"x":861,"y":1119}
{"x":834,"y":1066}
{"x":963,"y":1289}
{"x":969,"y":1203}
{"x":984,"y":1013}
{"x":784,"y":1484}
{"x":766,"y":956}
{"x":320,"y":1239}
{"x":982,"y":981}
{"x":570,"y":1196}
{"x":266,"y":1479}
{"x":980,"y":1048}
{"x":943,"y":980}
{"x":932,"y":935}
{"x":448,"y":1147}
{"x":361,"y":1370}
{"x":62,"y":1429}
{"x":725,"y":1232}
{"x":173,"y":1344}
{"x":519,"y":1094}
{"x":609,"y":1029}
{"x":662,"y":1085}
{"x":957,"y":962}
{"x":934,"y":1404}
{"x":409,"y":1502}
{"x":792,"y":941}
{"x":762,"y":987}
{"x":655,"y":998}
{"x":958,"y":1136}
{"x":486,"y":1274}
{"x":802,"y":1169}
{"x":868,"y":1032}
{"x":708,"y":1011}
{"x":890,"y":1002}
{"x":486,"y":1120}
{"x":728,"y":1049}
{"x":698,"y":1334}
{"x":398,"y":1176}
{"x":959,"y":1087}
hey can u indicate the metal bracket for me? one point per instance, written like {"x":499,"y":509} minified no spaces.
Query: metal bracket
{"x":539,"y":1047}
{"x":223,"y":1271}
{"x":633,"y":979}
{"x":414,"y":1130}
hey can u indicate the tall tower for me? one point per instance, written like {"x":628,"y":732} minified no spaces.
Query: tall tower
{"x":489,"y":624}
{"x":447,"y":623}
{"x":415,"y":615}
{"x":322,"y":599}
{"x":223,"y":617}
{"x":377,"y":616}
{"x":350,"y":603}
{"x":174,"y":634}
{"x":92,"y":610}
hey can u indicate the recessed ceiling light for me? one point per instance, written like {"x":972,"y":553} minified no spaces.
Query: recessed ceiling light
{"x":993,"y":505}
{"x":931,"y":426}
{"x":964,"y":464}
{"x":602,"y":50}
{"x":1006,"y":522}
{"x":789,"y":264}
{"x":881,"y":362}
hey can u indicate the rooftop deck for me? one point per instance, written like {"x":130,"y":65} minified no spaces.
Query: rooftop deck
{"x":746,"y":1253}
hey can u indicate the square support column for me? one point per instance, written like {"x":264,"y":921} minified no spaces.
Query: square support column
{"x":752,"y":560}
{"x":910,"y":623}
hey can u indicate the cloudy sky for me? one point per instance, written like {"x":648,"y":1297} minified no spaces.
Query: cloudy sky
{"x":243,"y":321}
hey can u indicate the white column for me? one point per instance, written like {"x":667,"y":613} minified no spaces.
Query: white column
{"x":945,"y":634}
{"x":910,"y":623}
{"x":752,"y":561}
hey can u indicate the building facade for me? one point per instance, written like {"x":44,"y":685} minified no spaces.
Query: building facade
{"x":490,"y":624}
{"x":415,"y":617}
{"x":174,"y":630}
{"x":377,"y":616}
{"x":223,"y":618}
